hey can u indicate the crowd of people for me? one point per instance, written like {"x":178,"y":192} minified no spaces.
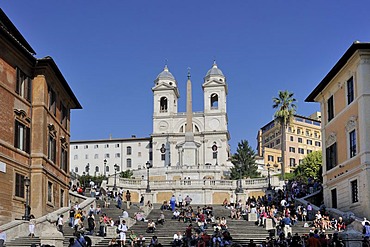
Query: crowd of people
{"x":203,"y":229}
{"x":281,"y":208}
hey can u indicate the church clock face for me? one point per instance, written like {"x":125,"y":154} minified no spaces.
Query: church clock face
{"x":163,"y":125}
{"x":214,"y":124}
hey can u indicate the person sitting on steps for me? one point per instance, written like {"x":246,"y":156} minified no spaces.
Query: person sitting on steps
{"x":151,"y":226}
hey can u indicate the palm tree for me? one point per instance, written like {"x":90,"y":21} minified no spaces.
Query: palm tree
{"x":284,"y":115}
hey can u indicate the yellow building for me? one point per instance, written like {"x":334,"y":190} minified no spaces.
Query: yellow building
{"x":303,"y":136}
{"x":35,"y":103}
{"x":344,"y":96}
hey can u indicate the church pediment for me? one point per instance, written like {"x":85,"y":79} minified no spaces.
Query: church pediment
{"x":163,"y":86}
{"x":166,"y":87}
{"x":214,"y":83}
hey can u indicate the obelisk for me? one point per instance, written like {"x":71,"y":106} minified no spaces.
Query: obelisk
{"x":189,"y":136}
{"x":190,"y":148}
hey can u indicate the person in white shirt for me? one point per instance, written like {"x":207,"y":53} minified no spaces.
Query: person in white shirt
{"x":175,"y":214}
{"x":92,"y":209}
{"x":76,"y":206}
{"x":2,"y":238}
{"x":364,"y":221}
{"x":124,"y":214}
{"x":177,"y":239}
{"x":31,"y":226}
{"x":122,"y":228}
{"x":232,"y":202}
{"x":60,"y":223}
{"x":179,"y":199}
{"x":283,"y":203}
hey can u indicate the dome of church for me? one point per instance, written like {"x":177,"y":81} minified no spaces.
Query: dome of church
{"x":214,"y":70}
{"x":165,"y":74}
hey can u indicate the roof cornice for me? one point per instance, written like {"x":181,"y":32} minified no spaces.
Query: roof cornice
{"x":337,"y":67}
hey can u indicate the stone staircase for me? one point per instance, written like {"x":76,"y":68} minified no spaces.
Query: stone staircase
{"x":241,"y":231}
{"x":24,"y":241}
{"x":112,"y":211}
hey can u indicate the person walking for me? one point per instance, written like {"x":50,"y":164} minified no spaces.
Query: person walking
{"x":91,"y":223}
{"x":366,"y":229}
{"x":2,"y":238}
{"x":309,"y":210}
{"x":179,"y":200}
{"x":287,"y":225}
{"x":119,"y":201}
{"x":142,"y":201}
{"x":128,"y":198}
{"x":122,"y":229}
{"x":173,"y":202}
{"x":32,"y":225}
{"x":60,"y":224}
{"x":72,"y":213}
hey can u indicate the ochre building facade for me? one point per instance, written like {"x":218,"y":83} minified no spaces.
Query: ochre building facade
{"x":303,"y":136}
{"x":35,"y":104}
{"x":344,"y":96}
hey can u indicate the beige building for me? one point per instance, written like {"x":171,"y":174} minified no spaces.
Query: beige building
{"x":35,"y":103}
{"x":303,"y":136}
{"x":344,"y":96}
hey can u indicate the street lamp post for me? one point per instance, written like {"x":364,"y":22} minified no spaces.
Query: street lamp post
{"x":87,"y":169}
{"x":269,"y":178}
{"x":84,"y":179}
{"x":105,"y":166}
{"x":115,"y":176}
{"x":240,"y":187}
{"x":148,"y":166}
{"x":26,"y":210}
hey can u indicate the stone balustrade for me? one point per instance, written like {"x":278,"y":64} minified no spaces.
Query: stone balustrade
{"x":178,"y":184}
{"x":204,"y":191}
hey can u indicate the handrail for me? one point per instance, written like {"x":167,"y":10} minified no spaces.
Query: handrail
{"x":18,"y":228}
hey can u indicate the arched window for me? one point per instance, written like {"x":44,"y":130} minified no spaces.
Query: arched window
{"x":128,"y":163}
{"x":214,"y":101}
{"x":128,"y":150}
{"x":195,"y":128}
{"x":163,"y":104}
{"x":96,"y":168}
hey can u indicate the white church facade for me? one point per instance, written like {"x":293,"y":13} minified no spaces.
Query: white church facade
{"x":183,"y":145}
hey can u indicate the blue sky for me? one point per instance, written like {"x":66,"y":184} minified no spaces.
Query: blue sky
{"x":110,"y":52}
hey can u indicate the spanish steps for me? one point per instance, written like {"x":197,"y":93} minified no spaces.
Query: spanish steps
{"x":242,"y":231}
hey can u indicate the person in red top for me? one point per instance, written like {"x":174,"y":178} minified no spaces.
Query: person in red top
{"x":188,"y":234}
{"x":312,"y":241}
{"x":204,"y":239}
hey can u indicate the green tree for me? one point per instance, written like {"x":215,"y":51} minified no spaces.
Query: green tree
{"x":284,"y":115}
{"x":126,"y":174}
{"x":244,"y":158}
{"x":85,"y":179}
{"x":311,"y":166}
